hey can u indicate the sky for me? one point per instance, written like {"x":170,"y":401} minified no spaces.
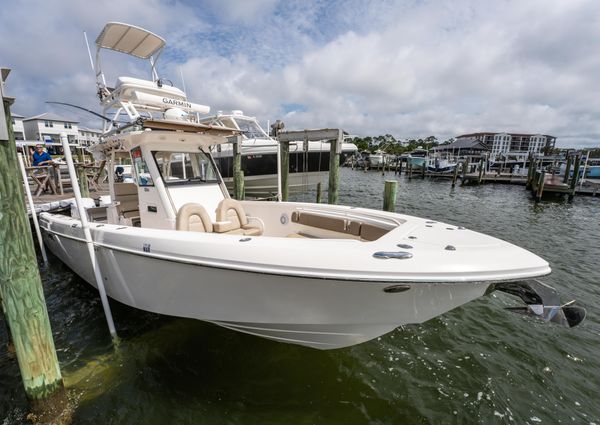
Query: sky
{"x":410,"y":68}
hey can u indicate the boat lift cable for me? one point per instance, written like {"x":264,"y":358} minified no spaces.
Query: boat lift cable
{"x":88,"y":237}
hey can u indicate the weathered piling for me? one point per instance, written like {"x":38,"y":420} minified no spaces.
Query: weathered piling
{"x":21,"y":291}
{"x":81,"y":175}
{"x":540,"y":185}
{"x":285,"y":170}
{"x":575,"y":178}
{"x":318,"y":193}
{"x":423,"y":169}
{"x":567,"y":169}
{"x":465,"y":170}
{"x":530,"y":172}
{"x":238,"y":177}
{"x":481,"y":165}
{"x":399,"y":167}
{"x":334,"y":168}
{"x":242,"y":186}
{"x":455,"y":175}
{"x":390,"y":192}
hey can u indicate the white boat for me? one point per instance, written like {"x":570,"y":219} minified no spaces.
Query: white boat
{"x":322,"y":276}
{"x":308,"y":163}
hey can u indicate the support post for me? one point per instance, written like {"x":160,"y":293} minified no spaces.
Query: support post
{"x":530,"y":172}
{"x":237,"y":167}
{"x":464,"y":171}
{"x":575,"y":178}
{"x":242,"y":186}
{"x":567,"y":169}
{"x":423,"y":168}
{"x":21,"y":291}
{"x":540,"y":186}
{"x":285,"y":169}
{"x":390,"y":192}
{"x":81,"y":175}
{"x":481,"y":165}
{"x":319,"y":193}
{"x":88,"y":237}
{"x":334,"y":168}
{"x":455,"y":175}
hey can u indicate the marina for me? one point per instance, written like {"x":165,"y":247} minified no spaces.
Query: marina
{"x":182,"y":265}
{"x":479,"y":348}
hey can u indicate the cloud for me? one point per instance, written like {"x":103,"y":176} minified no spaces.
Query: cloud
{"x":407,"y":68}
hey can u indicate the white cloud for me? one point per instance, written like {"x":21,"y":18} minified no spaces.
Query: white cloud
{"x":405,"y":68}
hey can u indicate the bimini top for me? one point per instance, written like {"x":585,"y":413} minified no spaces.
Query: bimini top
{"x":130,"y":39}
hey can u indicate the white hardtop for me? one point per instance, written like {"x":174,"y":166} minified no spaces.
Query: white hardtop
{"x":129,"y":39}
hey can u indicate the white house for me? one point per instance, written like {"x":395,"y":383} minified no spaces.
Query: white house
{"x":17,"y":123}
{"x":49,"y":126}
{"x":88,"y":136}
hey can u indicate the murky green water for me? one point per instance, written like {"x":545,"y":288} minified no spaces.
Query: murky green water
{"x":477,"y":364}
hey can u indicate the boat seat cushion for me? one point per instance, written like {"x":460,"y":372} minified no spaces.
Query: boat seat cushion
{"x":231,"y":218}
{"x":366,"y":231}
{"x":193,"y":217}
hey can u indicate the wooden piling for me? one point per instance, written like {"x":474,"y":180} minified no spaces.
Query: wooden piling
{"x":540,"y":185}
{"x":481,"y":165}
{"x":285,"y":170}
{"x":423,"y":169}
{"x":567,"y":169}
{"x":21,"y":291}
{"x":530,"y":172}
{"x":242,"y":186}
{"x":390,"y":192}
{"x":575,"y":178}
{"x":465,"y":170}
{"x":334,"y":169}
{"x":238,"y":179}
{"x":455,"y":175}
{"x":81,"y":175}
{"x":319,"y":193}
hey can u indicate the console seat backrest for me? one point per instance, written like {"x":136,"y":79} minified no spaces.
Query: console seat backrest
{"x":232,"y":219}
{"x":127,"y":196}
{"x":193,"y":217}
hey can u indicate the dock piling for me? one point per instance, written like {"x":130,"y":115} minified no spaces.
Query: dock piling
{"x":390,"y":192}
{"x":334,"y":168}
{"x":567,"y":169}
{"x":285,"y":169}
{"x":81,"y":175}
{"x":238,"y":178}
{"x":575,"y":177}
{"x":21,"y":293}
{"x":455,"y":175}
{"x":319,"y":193}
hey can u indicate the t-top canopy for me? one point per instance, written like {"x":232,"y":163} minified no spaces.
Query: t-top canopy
{"x":129,"y":39}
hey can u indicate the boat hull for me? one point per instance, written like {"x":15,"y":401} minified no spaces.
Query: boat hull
{"x":314,"y":312}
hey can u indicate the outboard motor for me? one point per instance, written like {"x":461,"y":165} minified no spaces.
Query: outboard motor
{"x":542,"y":301}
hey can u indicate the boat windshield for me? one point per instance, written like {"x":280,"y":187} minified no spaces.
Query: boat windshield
{"x":181,"y":168}
{"x":250,"y":128}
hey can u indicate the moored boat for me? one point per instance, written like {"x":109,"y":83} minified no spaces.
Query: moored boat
{"x":322,"y":276}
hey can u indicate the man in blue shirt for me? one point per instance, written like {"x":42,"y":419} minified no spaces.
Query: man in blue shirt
{"x":41,"y":157}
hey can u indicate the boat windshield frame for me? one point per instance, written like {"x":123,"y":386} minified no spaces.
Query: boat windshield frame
{"x":256,"y":133}
{"x":195,"y":180}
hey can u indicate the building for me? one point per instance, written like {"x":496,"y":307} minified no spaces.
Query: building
{"x":48,"y":127}
{"x":88,"y":136}
{"x":465,"y":147}
{"x":513,"y":143}
{"x":17,"y":123}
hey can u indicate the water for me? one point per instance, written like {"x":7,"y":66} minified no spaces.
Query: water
{"x":475,"y":365}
